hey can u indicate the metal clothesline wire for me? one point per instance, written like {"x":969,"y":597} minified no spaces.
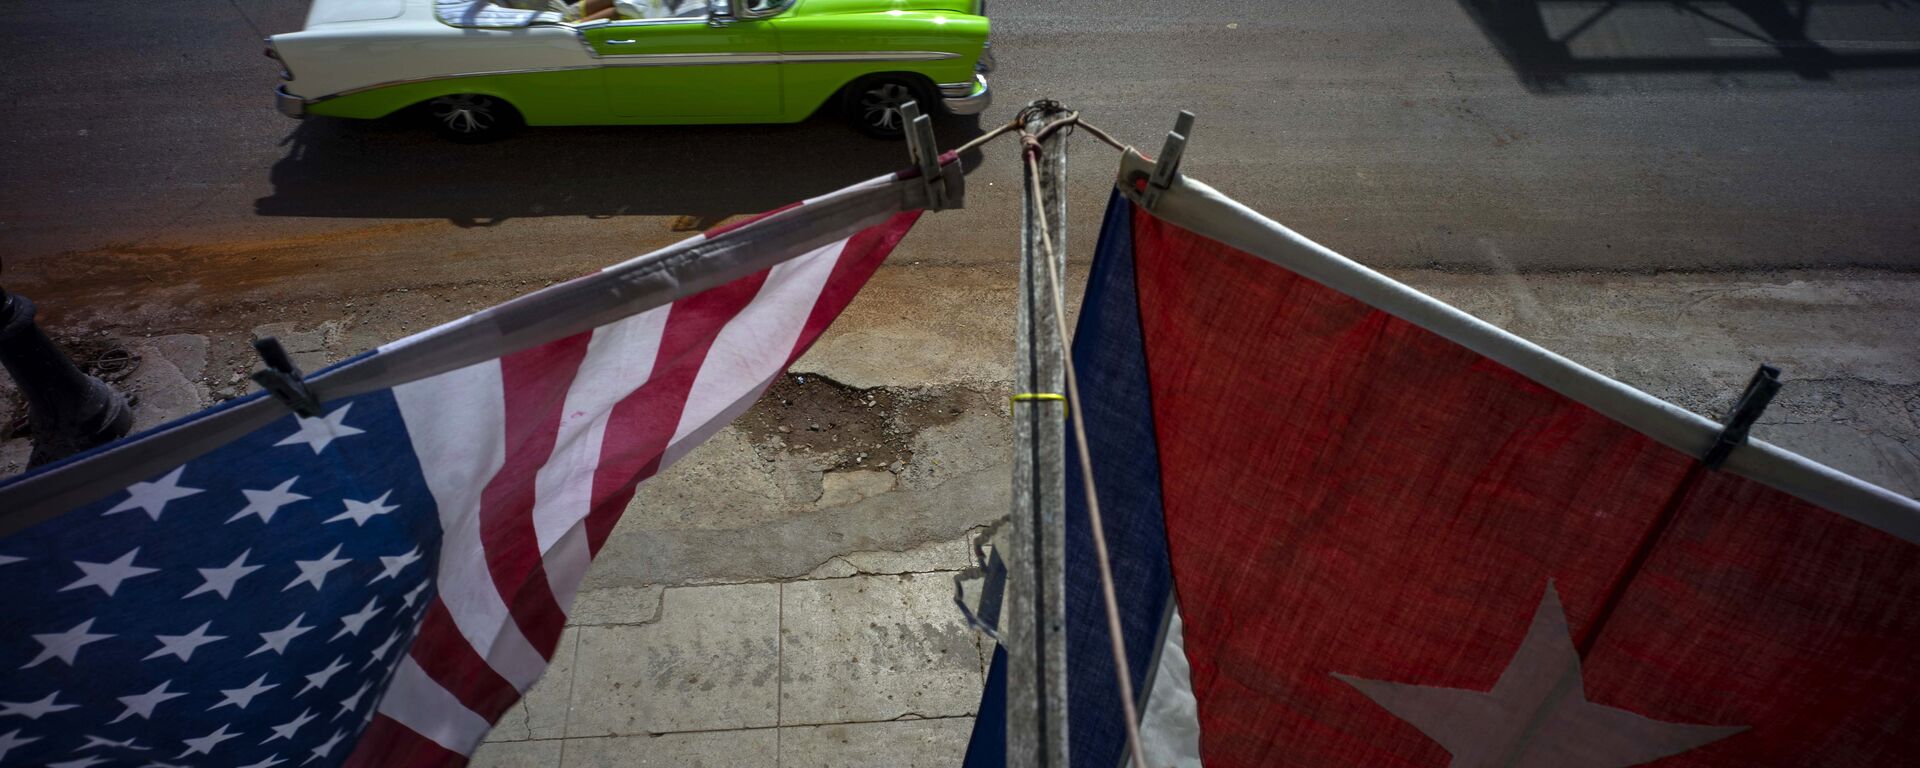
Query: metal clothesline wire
{"x":1072,"y":120}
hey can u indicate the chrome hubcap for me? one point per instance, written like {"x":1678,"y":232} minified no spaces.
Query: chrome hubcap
{"x":880,"y":106}
{"x":465,"y":113}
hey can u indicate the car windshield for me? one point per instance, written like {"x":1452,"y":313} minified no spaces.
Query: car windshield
{"x":494,"y":15}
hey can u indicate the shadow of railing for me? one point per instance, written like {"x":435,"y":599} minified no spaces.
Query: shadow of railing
{"x":1553,"y":45}
{"x":395,"y":169}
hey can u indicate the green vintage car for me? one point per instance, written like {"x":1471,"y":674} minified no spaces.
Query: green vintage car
{"x":481,"y":69}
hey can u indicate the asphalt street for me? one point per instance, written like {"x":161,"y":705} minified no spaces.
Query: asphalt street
{"x":1403,"y":134}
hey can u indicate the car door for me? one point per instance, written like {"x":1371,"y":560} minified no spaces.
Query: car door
{"x":689,"y":70}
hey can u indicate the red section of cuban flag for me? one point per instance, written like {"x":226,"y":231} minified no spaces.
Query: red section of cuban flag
{"x":1349,"y":495}
{"x":533,"y":457}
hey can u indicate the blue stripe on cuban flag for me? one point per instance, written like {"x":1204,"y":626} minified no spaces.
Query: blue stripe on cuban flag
{"x":244,"y":609}
{"x":1110,"y":360}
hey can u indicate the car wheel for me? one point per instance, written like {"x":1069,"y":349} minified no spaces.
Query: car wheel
{"x":472,"y":118}
{"x":873,"y":106}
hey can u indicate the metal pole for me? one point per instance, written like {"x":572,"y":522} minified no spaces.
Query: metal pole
{"x":68,"y":410}
{"x":1035,"y":628}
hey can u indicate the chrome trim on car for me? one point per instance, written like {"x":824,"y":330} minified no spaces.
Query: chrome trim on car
{"x":806,"y":57}
{"x":430,"y":78}
{"x":289,"y":104}
{"x":685,"y":59}
{"x":812,"y":57}
{"x":957,"y":90}
{"x":972,"y":103}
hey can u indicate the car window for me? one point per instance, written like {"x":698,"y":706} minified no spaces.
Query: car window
{"x":766,"y":7}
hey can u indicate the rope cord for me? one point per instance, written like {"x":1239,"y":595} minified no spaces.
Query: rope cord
{"x":1017,"y":124}
{"x":1122,"y":673}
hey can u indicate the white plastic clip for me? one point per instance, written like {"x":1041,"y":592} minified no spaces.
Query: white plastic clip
{"x":1167,"y":166}
{"x":924,"y":154}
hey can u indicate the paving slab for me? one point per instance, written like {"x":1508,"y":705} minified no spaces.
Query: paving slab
{"x":935,"y":743}
{"x":757,"y":748}
{"x":167,"y":383}
{"x":517,"y":754}
{"x":616,"y":605}
{"x":872,"y":648}
{"x":709,"y":663}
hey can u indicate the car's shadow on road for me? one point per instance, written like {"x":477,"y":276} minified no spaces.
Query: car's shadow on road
{"x":396,"y":169}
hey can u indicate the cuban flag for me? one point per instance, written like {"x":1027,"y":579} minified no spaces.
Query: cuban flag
{"x":1351,"y":525}
{"x":378,"y":584}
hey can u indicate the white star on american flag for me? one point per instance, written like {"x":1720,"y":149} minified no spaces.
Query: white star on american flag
{"x":12,"y":739}
{"x":221,"y":580}
{"x":96,"y":741}
{"x":414,"y":594}
{"x":32,"y":710}
{"x":277,"y":640}
{"x":315,"y":571}
{"x":64,"y":645}
{"x":353,"y":702}
{"x":362,"y":511}
{"x":287,"y":729}
{"x":205,"y":744}
{"x":143,"y":704}
{"x":392,"y":566}
{"x":380,"y":653}
{"x":152,"y":497}
{"x":241,"y":697}
{"x":320,"y":752}
{"x":354,"y":622}
{"x":107,"y":576}
{"x":183,"y":646}
{"x":264,"y":504}
{"x":319,"y":679}
{"x":318,"y":433}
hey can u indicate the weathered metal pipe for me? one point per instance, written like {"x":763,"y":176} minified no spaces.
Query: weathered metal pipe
{"x":68,"y":410}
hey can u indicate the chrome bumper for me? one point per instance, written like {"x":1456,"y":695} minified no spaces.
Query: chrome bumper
{"x":289,"y":104}
{"x":974,"y":102}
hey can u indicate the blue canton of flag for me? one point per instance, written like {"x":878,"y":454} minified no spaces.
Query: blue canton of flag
{"x":244,"y":609}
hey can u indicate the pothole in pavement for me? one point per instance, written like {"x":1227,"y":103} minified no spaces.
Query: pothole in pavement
{"x":849,"y":427}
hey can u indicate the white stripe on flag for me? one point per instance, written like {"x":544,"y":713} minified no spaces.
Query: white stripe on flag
{"x":417,"y":702}
{"x":620,"y":358}
{"x":1170,"y":722}
{"x":755,"y":345}
{"x":456,"y":421}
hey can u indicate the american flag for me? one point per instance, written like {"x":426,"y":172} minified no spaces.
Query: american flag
{"x":378,"y":584}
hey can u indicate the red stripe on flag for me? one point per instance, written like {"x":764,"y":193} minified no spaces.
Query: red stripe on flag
{"x":446,"y":656}
{"x":858,"y":261}
{"x":641,"y":425}
{"x":388,"y":744}
{"x":535,"y":382}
